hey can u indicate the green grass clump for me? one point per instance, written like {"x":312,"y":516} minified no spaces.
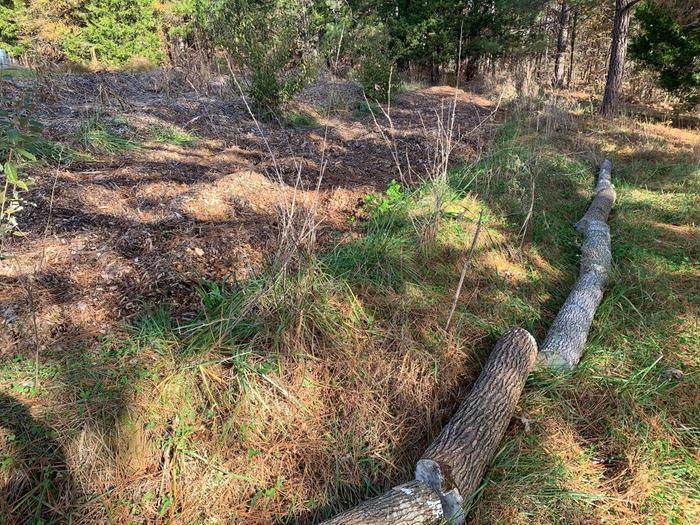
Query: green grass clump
{"x":100,"y":136}
{"x":364,"y":108}
{"x":172,"y":135}
{"x":57,"y":153}
{"x":378,"y":259}
{"x":11,"y":72}
{"x":299,"y":120}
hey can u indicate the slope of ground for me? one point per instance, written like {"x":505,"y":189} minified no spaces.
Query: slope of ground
{"x":317,"y":376}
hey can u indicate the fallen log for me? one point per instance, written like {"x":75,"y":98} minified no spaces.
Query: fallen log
{"x":566,"y":339}
{"x":453,"y":466}
{"x":413,"y":503}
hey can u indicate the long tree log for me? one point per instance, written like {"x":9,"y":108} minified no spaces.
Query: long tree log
{"x":453,"y":466}
{"x":457,"y":460}
{"x":566,"y":339}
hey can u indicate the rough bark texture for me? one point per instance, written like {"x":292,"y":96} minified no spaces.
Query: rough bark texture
{"x":566,"y":339}
{"x":562,"y":41}
{"x":456,"y":461}
{"x":618,"y":54}
{"x":413,"y":503}
{"x":452,"y":467}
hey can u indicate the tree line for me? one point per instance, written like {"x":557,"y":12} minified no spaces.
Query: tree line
{"x":282,"y":42}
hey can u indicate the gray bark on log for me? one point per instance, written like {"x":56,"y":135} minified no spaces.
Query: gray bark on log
{"x":566,"y":339}
{"x":453,"y":466}
{"x":456,"y":461}
{"x":413,"y":503}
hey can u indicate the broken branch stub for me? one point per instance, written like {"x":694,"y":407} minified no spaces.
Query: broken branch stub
{"x":453,"y":466}
{"x":566,"y":339}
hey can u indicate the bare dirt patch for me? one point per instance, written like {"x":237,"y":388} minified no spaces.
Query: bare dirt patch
{"x":106,"y":237}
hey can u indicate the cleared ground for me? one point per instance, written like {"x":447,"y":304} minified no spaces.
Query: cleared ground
{"x":317,"y":373}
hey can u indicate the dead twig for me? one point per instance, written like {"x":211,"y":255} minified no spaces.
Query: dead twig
{"x":526,"y":223}
{"x":464,"y":271}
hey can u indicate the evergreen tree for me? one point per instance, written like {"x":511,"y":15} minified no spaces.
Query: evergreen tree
{"x":113,"y":31}
{"x":671,"y":48}
{"x":10,"y":11}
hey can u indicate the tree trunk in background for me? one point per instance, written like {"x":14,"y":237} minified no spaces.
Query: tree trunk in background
{"x":570,"y":77}
{"x":562,"y":40}
{"x":471,"y":68}
{"x":618,"y":53}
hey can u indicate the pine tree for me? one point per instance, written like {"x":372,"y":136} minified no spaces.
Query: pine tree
{"x":671,"y":48}
{"x":114,"y":31}
{"x":10,"y":12}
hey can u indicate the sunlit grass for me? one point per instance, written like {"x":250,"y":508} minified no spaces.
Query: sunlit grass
{"x":172,"y":135}
{"x":104,"y":136}
{"x":318,"y":382}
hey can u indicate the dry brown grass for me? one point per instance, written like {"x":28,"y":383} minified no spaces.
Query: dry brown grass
{"x":297,"y":392}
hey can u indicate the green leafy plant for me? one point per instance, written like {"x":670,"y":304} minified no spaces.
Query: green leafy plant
{"x":273,"y":43}
{"x":379,"y":205}
{"x":19,"y":135}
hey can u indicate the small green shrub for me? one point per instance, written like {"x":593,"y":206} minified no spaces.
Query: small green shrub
{"x":268,"y":87}
{"x":272,"y":44}
{"x":376,"y":73}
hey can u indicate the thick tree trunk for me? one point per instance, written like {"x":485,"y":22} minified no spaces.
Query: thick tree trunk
{"x":566,"y":339}
{"x":562,"y":40}
{"x":618,"y":54}
{"x":413,"y":503}
{"x":457,"y":460}
{"x":452,"y":467}
{"x":574,"y":23}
